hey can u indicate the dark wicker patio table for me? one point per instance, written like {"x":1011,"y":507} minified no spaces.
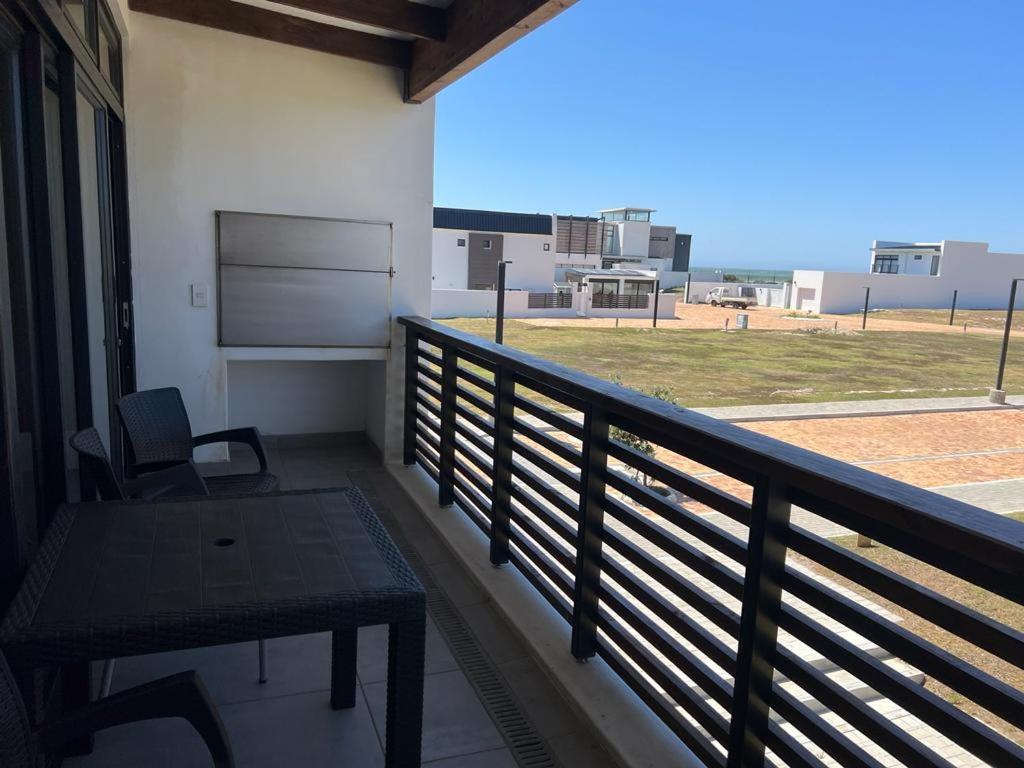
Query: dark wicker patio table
{"x":128,"y":578}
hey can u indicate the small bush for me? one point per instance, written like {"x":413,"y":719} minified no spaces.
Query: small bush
{"x":633,"y":441}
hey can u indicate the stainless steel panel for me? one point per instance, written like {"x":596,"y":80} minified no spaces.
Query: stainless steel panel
{"x":296,"y":241}
{"x":284,"y":307}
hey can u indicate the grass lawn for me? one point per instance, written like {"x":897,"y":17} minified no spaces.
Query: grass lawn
{"x":711,"y":368}
{"x":1003,"y":611}
{"x":975,"y":318}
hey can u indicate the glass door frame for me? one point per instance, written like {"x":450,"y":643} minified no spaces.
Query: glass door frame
{"x":44,"y":26}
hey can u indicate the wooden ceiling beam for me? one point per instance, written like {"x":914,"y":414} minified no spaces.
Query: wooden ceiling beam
{"x":281,"y":28}
{"x":414,"y":19}
{"x":477,"y":30}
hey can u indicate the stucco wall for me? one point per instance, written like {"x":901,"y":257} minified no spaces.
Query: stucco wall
{"x":532,"y":268}
{"x":982,"y":280}
{"x":221,"y":121}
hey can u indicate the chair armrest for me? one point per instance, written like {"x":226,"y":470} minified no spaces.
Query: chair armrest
{"x":182,"y":695}
{"x":248,"y":435}
{"x":178,"y":480}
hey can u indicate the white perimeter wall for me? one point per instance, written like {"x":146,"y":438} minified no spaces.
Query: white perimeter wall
{"x":982,"y":280}
{"x":532,"y":268}
{"x":222,"y":121}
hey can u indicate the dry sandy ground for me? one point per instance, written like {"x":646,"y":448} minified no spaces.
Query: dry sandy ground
{"x":704,"y":316}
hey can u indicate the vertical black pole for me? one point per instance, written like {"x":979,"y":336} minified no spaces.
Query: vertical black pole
{"x":686,"y":293}
{"x":446,"y":463}
{"x":952,"y":309}
{"x":759,"y":624}
{"x":412,"y":343}
{"x":1006,"y":334}
{"x":590,"y":534}
{"x":867,"y":300}
{"x":499,"y":329}
{"x":657,"y":288}
{"x":501,"y":497}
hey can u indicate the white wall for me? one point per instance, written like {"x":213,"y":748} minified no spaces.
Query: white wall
{"x":333,"y":395}
{"x":222,"y":121}
{"x":577,"y":260}
{"x":532,"y":268}
{"x":634,"y":238}
{"x":981,"y":278}
{"x":450,"y":302}
{"x":450,"y":267}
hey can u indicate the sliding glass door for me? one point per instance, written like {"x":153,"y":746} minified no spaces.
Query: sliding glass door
{"x":65,"y":282}
{"x":97,"y":261}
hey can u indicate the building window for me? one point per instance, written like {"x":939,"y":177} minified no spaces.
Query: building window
{"x":547,"y":246}
{"x":461,"y":242}
{"x":658,"y":239}
{"x":638,"y":215}
{"x":918,"y":257}
{"x":637,"y":288}
{"x":609,"y":287}
{"x":487,"y":245}
{"x":886,"y":265}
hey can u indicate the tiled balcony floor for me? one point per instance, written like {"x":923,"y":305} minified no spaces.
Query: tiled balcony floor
{"x":288,"y":720}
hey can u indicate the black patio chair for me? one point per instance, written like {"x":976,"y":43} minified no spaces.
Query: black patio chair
{"x":182,"y":695}
{"x":175,"y":480}
{"x":160,"y":436}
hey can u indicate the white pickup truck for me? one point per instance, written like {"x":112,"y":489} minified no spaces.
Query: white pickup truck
{"x":729,"y":296}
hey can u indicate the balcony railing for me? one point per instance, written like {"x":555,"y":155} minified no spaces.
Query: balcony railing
{"x":726,"y":630}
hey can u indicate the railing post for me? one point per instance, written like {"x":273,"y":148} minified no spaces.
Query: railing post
{"x":501,"y":494}
{"x":759,"y":624}
{"x":446,"y":466}
{"x":590,"y":534}
{"x":412,"y":342}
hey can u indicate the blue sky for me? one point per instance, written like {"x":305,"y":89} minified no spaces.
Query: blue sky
{"x":781,"y":134}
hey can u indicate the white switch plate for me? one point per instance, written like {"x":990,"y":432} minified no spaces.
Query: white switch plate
{"x":200,"y":295}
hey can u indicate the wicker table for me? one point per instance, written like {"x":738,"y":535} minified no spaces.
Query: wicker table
{"x":121,"y":579}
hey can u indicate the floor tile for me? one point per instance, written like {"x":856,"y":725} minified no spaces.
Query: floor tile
{"x":303,"y":731}
{"x":372,"y":659}
{"x":493,"y":758}
{"x":454,"y":720}
{"x":289,"y":731}
{"x":231,"y":672}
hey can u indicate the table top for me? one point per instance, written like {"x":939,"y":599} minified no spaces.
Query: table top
{"x":112,"y":579}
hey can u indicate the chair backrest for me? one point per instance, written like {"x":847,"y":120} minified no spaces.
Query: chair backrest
{"x":17,"y":742}
{"x":95,"y":464}
{"x":157,"y":425}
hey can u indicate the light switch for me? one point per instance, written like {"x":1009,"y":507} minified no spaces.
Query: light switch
{"x":200,"y":295}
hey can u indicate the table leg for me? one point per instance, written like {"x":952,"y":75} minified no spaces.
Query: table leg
{"x":76,"y":691}
{"x":404,"y":727}
{"x":343,"y":668}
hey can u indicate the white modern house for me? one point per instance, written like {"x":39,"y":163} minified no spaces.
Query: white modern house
{"x":916,"y":275}
{"x":468,"y":244}
{"x":541,"y":247}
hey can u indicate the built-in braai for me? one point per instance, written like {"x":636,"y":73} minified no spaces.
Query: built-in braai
{"x":293,"y":281}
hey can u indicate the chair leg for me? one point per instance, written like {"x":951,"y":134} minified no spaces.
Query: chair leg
{"x":263,"y":660}
{"x":107,"y":679}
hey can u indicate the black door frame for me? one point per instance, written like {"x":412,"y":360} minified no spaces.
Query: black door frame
{"x":41,"y":26}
